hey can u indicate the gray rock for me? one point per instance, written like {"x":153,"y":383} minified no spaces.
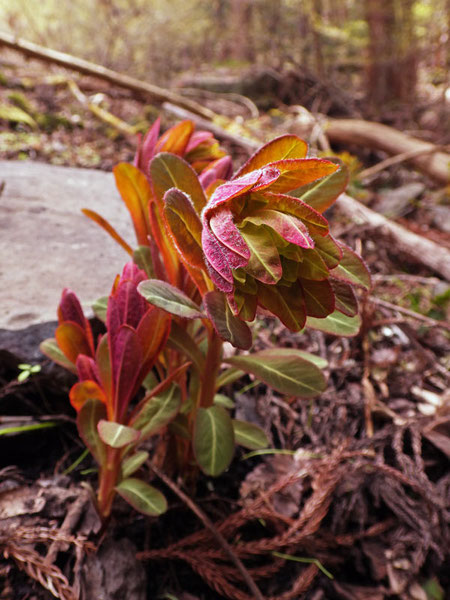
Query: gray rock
{"x":46,"y":243}
{"x":441,"y":217}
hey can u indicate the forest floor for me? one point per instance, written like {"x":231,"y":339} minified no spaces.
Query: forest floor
{"x":363,"y":477}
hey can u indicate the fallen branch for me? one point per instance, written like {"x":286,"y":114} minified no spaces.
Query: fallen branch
{"x":89,"y":68}
{"x":100,"y":112}
{"x":426,"y":157}
{"x":419,"y":248}
{"x":397,"y":159}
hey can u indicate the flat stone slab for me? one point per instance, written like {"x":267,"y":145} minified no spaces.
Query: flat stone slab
{"x":47,"y":244}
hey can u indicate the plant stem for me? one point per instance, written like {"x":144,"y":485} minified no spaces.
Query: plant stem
{"x":211,"y":370}
{"x":108,"y":476}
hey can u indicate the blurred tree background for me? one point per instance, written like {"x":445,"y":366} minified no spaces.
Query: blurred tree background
{"x":386,"y":52}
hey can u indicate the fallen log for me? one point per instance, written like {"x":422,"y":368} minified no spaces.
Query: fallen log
{"x":89,"y":68}
{"x":426,"y":157}
{"x":421,"y":249}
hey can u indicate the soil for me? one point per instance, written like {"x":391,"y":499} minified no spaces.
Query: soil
{"x":362,"y":494}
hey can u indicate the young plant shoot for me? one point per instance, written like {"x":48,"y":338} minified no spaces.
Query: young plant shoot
{"x":214,"y":253}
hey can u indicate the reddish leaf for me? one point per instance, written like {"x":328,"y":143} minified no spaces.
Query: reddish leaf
{"x":217,"y":263}
{"x":346,"y":301}
{"x":126,"y":357}
{"x":223,"y":227}
{"x":103,"y":362}
{"x":319,"y":297}
{"x":146,"y":148}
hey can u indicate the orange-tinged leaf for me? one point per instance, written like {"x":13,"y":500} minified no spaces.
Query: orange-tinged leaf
{"x":281,"y":148}
{"x":94,"y":216}
{"x":72,"y":340}
{"x":83,"y":391}
{"x":297,"y":172}
{"x":176,"y":139}
{"x":185,"y":226}
{"x":322,"y":194}
{"x":136,"y":193}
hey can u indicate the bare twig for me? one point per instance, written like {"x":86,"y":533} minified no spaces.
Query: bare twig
{"x":399,"y":158}
{"x":410,"y":313}
{"x":209,"y":525}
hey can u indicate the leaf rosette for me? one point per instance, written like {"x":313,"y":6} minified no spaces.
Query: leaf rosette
{"x":267,"y":245}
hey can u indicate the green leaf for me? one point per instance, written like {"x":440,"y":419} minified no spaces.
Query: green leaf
{"x":345,"y":298}
{"x":180,"y":340}
{"x":133,"y":463}
{"x":51,"y":349}
{"x":213,"y":440}
{"x":170,"y":171}
{"x":222,"y":400}
{"x":169,"y":298}
{"x":88,"y":417}
{"x":180,"y":427}
{"x":229,"y":327}
{"x":142,"y":257}
{"x":323,"y":194}
{"x":318,"y":361}
{"x":336,"y":324}
{"x":100,"y":307}
{"x":228,"y":376}
{"x":117,"y":435}
{"x":250,"y":436}
{"x":352,"y":269}
{"x":264,"y":263}
{"x":285,"y":372}
{"x":16,"y":115}
{"x":157,"y":412}
{"x":143,"y":497}
{"x":185,"y":226}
